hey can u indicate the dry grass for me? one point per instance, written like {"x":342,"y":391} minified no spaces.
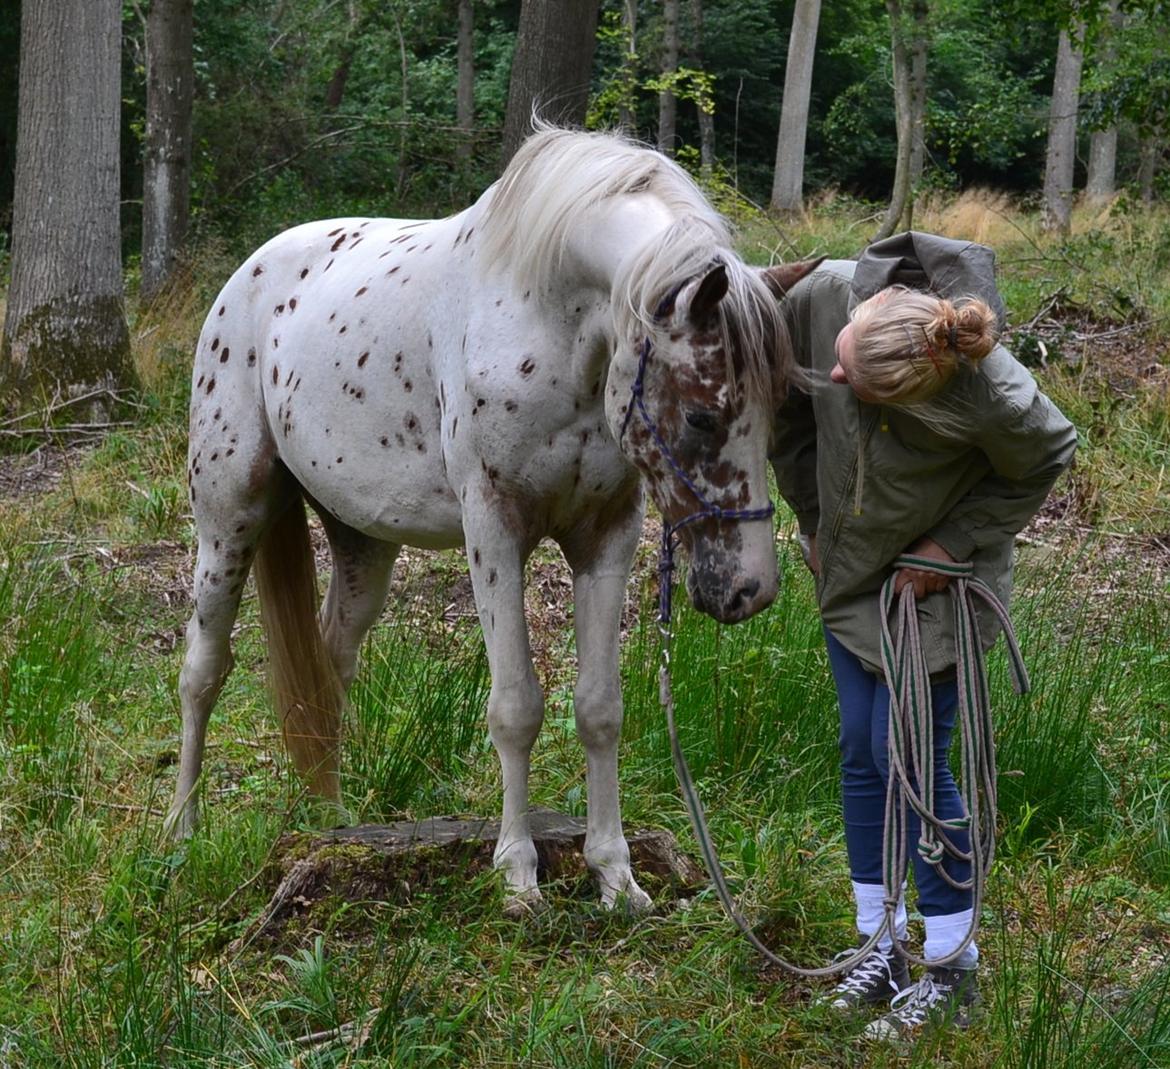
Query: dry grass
{"x":165,"y":331}
{"x":984,"y":215}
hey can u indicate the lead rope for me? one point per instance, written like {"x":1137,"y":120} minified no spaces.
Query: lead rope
{"x":911,"y":739}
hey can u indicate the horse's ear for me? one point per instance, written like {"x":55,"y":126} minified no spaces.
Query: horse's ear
{"x":711,"y":291}
{"x":781,"y":278}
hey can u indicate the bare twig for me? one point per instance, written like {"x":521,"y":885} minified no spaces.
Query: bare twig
{"x":56,"y":405}
{"x":81,"y":429}
{"x":308,"y":146}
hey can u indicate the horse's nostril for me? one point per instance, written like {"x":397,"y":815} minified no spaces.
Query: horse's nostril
{"x":746,"y":593}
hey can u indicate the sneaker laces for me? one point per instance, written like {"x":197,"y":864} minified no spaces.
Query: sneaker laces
{"x":918,"y":1000}
{"x":862,"y":975}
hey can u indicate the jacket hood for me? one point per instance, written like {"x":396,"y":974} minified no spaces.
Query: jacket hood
{"x":942,"y":266}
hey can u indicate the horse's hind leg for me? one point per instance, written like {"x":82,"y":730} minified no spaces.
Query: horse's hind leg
{"x":358,"y":586}
{"x":601,"y":570}
{"x":224,"y":556}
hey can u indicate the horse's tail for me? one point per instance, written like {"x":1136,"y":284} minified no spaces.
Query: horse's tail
{"x":306,"y":690}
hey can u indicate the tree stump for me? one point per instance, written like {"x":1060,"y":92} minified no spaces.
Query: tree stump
{"x":390,"y":862}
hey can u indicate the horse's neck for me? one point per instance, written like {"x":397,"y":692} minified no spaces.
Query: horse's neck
{"x":615,"y":230}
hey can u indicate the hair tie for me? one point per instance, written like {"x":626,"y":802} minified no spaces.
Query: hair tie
{"x":932,"y":353}
{"x":953,"y":339}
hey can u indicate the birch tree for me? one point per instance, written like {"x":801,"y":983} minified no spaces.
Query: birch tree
{"x":788,"y":181}
{"x":906,"y":26}
{"x":1060,"y":158}
{"x":166,"y":183}
{"x":667,"y":102}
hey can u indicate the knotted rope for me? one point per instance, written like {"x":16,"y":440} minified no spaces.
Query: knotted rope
{"x":911,"y":737}
{"x":911,"y":741}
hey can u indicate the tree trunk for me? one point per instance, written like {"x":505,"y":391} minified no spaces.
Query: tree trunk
{"x":65,"y":327}
{"x":465,"y":89}
{"x":919,"y":47}
{"x":1150,"y":156}
{"x":629,"y":72}
{"x":1062,"y":133}
{"x":1100,"y":184}
{"x":667,"y":102}
{"x":788,"y":181}
{"x":166,"y":181}
{"x":335,"y":90}
{"x":552,"y":66}
{"x":904,"y":118}
{"x":706,"y":116}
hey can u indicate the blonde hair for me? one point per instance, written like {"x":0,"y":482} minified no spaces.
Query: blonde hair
{"x":909,"y":344}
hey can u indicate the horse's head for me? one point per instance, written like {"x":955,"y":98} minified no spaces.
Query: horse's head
{"x":691,"y":399}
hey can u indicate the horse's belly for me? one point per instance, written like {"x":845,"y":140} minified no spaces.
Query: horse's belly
{"x":408,"y":506}
{"x":364,"y":441}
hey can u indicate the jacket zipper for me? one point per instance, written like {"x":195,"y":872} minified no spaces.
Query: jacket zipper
{"x":846,"y":501}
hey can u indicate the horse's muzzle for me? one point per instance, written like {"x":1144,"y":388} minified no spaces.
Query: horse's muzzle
{"x":728,"y":596}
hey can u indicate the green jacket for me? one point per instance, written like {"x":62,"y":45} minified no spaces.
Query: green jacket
{"x":871,"y":480}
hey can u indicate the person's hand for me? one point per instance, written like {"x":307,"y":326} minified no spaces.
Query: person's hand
{"x":814,"y":562}
{"x":924,"y":582}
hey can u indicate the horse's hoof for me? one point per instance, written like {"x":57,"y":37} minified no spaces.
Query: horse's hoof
{"x":524,"y":904}
{"x":179,"y":825}
{"x":631,"y":899}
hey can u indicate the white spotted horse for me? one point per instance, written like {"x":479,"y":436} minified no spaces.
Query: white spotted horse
{"x":472,"y":381}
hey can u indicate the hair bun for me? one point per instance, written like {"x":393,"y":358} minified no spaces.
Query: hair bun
{"x":969,"y":328}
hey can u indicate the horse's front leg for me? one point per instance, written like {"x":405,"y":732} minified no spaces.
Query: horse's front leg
{"x":601,"y":572}
{"x":496,"y":556}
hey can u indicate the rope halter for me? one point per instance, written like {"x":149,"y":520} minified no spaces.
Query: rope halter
{"x":707,"y":510}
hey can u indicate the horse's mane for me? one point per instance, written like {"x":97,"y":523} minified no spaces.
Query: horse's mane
{"x":558,"y":176}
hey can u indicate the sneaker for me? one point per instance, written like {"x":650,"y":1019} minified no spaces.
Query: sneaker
{"x":877,"y":978}
{"x":942,"y":995}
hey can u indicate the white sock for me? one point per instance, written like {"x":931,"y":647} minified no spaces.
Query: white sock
{"x":943,"y":936}
{"x":871,"y":911}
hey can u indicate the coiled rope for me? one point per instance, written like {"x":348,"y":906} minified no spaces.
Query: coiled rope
{"x":911,"y":750}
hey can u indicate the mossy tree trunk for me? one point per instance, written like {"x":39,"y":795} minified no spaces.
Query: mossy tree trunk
{"x":706,"y":115}
{"x":65,"y":329}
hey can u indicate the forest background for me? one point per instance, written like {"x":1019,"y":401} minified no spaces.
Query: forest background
{"x":119,"y":947}
{"x":321,"y":107}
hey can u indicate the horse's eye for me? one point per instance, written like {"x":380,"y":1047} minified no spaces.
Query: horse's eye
{"x":702,"y":421}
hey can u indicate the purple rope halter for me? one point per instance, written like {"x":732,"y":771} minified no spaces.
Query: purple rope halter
{"x":706,"y":510}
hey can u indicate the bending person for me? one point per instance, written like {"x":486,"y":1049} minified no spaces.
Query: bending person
{"x":918,"y":434}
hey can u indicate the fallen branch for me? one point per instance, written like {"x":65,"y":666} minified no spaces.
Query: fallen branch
{"x":352,"y":1032}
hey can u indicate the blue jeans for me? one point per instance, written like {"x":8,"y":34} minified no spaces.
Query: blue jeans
{"x":865,"y":716}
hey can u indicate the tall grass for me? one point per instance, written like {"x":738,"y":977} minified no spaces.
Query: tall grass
{"x":55,"y":678}
{"x":418,"y":716}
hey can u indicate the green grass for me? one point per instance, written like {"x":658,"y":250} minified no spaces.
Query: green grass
{"x":116,"y":945}
{"x":117,"y":948}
